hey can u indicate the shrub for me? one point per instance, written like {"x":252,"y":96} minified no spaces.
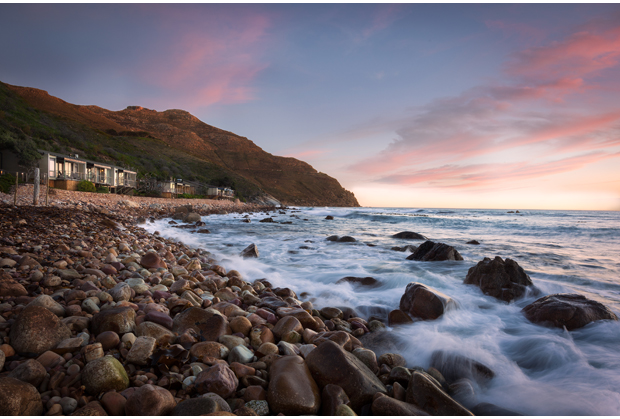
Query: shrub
{"x":86,"y":186}
{"x":6,"y":181}
{"x":103,"y":189}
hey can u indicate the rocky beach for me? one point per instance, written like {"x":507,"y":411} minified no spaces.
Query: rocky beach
{"x":100,"y":317}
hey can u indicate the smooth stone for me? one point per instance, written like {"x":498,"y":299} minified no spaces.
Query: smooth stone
{"x":93,"y":408}
{"x":18,"y":398}
{"x":36,"y":330}
{"x":368,"y":357}
{"x":104,"y":374}
{"x":426,"y":303}
{"x":409,"y":235}
{"x":329,"y":363}
{"x":114,"y":403}
{"x":141,"y":350}
{"x":156,"y":331}
{"x":332,"y":396}
{"x":30,"y":371}
{"x":240,"y":354}
{"x":383,"y":405}
{"x":117,"y":319}
{"x":428,"y":396}
{"x":231,"y":341}
{"x":162,"y":319}
{"x":195,"y":406}
{"x":49,"y":303}
{"x":209,"y":349}
{"x":150,"y":400}
{"x":241,"y":325}
{"x":292,"y":390}
{"x":68,"y":405}
{"x":285,"y":325}
{"x":108,"y":340}
{"x":219,"y":379}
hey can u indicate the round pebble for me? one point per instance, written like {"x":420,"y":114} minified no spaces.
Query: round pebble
{"x":73,"y":370}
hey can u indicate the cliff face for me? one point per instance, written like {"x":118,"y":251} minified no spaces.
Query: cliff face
{"x":287,"y":179}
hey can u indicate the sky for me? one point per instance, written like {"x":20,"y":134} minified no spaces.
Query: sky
{"x":512,"y":106}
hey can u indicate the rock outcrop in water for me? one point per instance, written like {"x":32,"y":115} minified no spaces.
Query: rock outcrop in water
{"x":425,"y":303}
{"x":409,"y":235}
{"x":567,"y":310}
{"x":431,"y":251}
{"x":504,"y":280}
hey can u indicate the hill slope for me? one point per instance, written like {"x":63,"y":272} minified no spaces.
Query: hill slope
{"x":172,"y":142}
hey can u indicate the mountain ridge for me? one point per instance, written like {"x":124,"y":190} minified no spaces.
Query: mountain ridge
{"x":289,"y":180}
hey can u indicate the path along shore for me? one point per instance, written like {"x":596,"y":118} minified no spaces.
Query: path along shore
{"x":99,"y":317}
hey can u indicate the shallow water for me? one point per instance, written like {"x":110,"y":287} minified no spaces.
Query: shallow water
{"x":539,"y":371}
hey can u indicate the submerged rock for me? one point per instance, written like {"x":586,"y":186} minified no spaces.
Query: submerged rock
{"x":454,"y":367}
{"x":426,"y":303}
{"x":431,"y":251}
{"x":367,"y":281}
{"x":504,"y":280}
{"x":567,"y":310}
{"x":409,"y":235}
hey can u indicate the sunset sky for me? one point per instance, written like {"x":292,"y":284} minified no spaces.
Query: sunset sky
{"x":410,"y":105}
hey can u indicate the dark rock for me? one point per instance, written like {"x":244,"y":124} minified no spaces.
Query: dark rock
{"x":114,"y":403}
{"x":383,"y":405}
{"x":408,"y":248}
{"x":420,"y":301}
{"x":454,"y":367}
{"x":431,"y":251}
{"x":159,"y":318}
{"x":427,"y":395}
{"x":104,"y":374}
{"x":150,"y":400}
{"x":409,"y":235}
{"x":329,"y":217}
{"x":152,"y":260}
{"x":292,"y":390}
{"x":18,"y":398}
{"x":398,"y":317}
{"x":218,"y":379}
{"x":195,"y":407}
{"x":332,"y":397}
{"x":367,"y":281}
{"x":93,"y":408}
{"x":190,"y":318}
{"x":329,"y":363}
{"x":9,"y":287}
{"x":116,"y":319}
{"x":567,"y":310}
{"x":346,"y":239}
{"x":332,"y":238}
{"x":250,"y":252}
{"x":488,"y":409}
{"x":36,"y":330}
{"x":502,"y":280}
{"x":473,"y":242}
{"x":267,"y":220}
{"x":30,"y":371}
{"x":108,"y":340}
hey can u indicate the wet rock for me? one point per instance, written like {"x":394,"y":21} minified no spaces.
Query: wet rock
{"x":346,"y":239}
{"x":209,"y":350}
{"x":427,"y":395}
{"x":254,"y":393}
{"x":152,"y":260}
{"x":333,"y":396}
{"x":454,"y":367}
{"x":292,"y":390}
{"x":68,"y":274}
{"x":29,"y":371}
{"x":331,"y":313}
{"x":191,"y":318}
{"x":68,"y":405}
{"x":285,"y":325}
{"x":431,"y":251}
{"x":218,"y":379}
{"x":368,"y":357}
{"x":392,"y":360}
{"x":49,"y":303}
{"x":504,"y":280}
{"x":36,"y":330}
{"x":104,"y":374}
{"x":250,"y":252}
{"x":150,"y":400}
{"x":409,"y":235}
{"x":425,"y":303}
{"x":383,"y":405}
{"x":19,"y":398}
{"x":488,"y":409}
{"x":116,"y":319}
{"x":567,"y":310}
{"x":331,"y":364}
{"x":240,"y":354}
{"x":9,"y":287}
{"x":120,"y":292}
{"x":241,"y":325}
{"x":398,"y":317}
{"x":367,"y":281}
{"x":475,"y":242}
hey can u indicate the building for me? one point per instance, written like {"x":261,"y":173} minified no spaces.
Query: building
{"x":66,"y":171}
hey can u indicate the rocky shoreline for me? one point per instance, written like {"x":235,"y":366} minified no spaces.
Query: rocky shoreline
{"x":99,"y":317}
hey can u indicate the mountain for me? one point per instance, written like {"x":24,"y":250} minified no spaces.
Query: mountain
{"x":169,"y":143}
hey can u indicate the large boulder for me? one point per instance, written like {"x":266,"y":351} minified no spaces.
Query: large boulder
{"x":567,"y":310}
{"x":383,"y":405}
{"x":116,"y":319}
{"x":504,"y":280}
{"x":18,"y":398}
{"x":426,"y":303}
{"x":329,"y":363}
{"x":36,"y":330}
{"x":431,"y":251}
{"x":150,"y":400}
{"x":9,"y":287}
{"x":104,"y":374}
{"x":292,"y":390}
{"x":409,"y":235}
{"x":424,"y":392}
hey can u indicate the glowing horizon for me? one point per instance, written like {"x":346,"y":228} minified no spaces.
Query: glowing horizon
{"x":406,"y":105}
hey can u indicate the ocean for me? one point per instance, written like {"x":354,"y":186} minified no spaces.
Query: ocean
{"x":538,"y":370}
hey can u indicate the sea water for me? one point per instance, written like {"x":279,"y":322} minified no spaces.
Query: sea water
{"x":538,"y":370}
